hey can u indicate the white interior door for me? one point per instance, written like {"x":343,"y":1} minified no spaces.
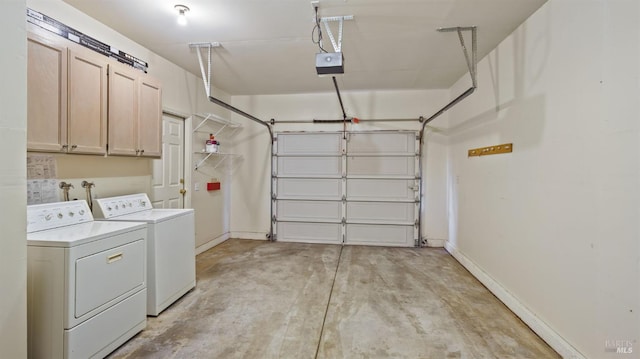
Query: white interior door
{"x":360,"y":190}
{"x":168,"y":172}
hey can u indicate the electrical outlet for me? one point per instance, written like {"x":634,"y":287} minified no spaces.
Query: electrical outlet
{"x":196,"y":186}
{"x":315,"y":4}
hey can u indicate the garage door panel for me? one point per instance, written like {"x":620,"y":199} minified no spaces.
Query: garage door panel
{"x":360,"y":190}
{"x":381,"y":142}
{"x":309,"y":144}
{"x":384,"y":212}
{"x":309,"y":232}
{"x":379,"y":235}
{"x":381,"y":166}
{"x":310,"y":166}
{"x":379,"y":189}
{"x":309,"y":188}
{"x":325,"y":211}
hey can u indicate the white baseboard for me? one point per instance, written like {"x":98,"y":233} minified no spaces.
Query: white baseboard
{"x":435,"y":243}
{"x":212,"y":243}
{"x":249,"y":235}
{"x":545,"y":332}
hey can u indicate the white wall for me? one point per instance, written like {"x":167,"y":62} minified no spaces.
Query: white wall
{"x":183,"y":93}
{"x":13,"y":192}
{"x":555,"y":224}
{"x":250,"y":182}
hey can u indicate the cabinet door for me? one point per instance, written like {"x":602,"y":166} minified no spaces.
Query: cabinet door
{"x":46,"y":95}
{"x":123,"y":111}
{"x":87,"y":116}
{"x":150,"y":107}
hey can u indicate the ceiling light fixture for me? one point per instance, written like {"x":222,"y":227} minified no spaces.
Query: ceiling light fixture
{"x":182,"y":14}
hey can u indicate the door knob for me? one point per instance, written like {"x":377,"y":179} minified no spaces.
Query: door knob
{"x":183,"y":191}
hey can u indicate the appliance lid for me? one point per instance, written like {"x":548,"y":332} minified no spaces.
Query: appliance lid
{"x":77,"y":234}
{"x":153,"y":215}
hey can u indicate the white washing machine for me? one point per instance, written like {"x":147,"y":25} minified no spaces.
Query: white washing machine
{"x":171,"y":260}
{"x":86,"y":281}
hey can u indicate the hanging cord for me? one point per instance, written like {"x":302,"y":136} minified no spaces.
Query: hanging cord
{"x":317,"y":29}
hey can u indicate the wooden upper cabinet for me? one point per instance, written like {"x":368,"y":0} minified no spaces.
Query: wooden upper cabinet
{"x":123,"y":111}
{"x":46,"y":95}
{"x":87,"y":111}
{"x":150,"y":118}
{"x":80,"y":101}
{"x":135,"y":113}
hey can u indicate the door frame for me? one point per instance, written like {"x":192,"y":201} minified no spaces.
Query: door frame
{"x":188,"y":149}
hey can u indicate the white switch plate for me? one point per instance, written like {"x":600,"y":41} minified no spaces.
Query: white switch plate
{"x":196,"y":186}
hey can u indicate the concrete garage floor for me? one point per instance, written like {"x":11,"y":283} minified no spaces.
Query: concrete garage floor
{"x":257,"y":299}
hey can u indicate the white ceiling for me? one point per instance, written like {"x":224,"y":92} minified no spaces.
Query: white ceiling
{"x":267,"y":47}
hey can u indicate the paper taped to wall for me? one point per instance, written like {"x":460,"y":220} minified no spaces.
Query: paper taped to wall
{"x":42,"y":185}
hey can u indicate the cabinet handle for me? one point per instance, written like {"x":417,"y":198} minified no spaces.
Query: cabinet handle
{"x":137,"y":151}
{"x":73,"y":147}
{"x":141,"y":151}
{"x":64,"y":147}
{"x":114,"y":258}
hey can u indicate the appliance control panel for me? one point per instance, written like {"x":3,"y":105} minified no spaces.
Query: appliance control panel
{"x":118,"y":206}
{"x":57,"y":214}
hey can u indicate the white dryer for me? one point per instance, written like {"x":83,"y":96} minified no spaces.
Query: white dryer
{"x":171,"y":266}
{"x":86,"y":281}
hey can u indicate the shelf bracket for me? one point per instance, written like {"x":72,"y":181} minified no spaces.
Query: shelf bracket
{"x":202,"y":161}
{"x":210,"y":117}
{"x":337,"y":46}
{"x":223,"y":158}
{"x":205,"y":47}
{"x":220,"y":162}
{"x":472,"y":61}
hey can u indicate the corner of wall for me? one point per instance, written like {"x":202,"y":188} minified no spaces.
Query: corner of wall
{"x":13,"y":191}
{"x":534,"y":322}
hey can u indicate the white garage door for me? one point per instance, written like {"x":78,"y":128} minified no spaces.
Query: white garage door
{"x":360,"y":190}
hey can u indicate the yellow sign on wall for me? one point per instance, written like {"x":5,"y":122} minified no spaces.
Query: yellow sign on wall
{"x":491,"y":150}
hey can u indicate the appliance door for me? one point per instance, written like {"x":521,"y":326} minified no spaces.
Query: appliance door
{"x":103,"y":273}
{"x":104,"y":276}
